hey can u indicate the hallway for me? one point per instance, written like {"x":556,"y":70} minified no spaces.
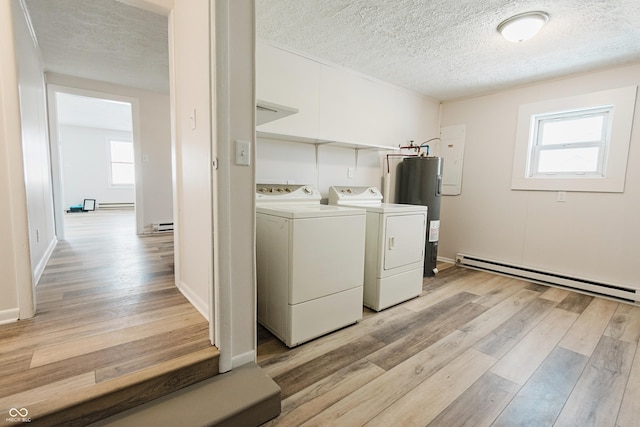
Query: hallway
{"x":108,"y":317}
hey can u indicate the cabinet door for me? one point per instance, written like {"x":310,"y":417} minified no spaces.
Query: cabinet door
{"x":357,"y":110}
{"x":294,"y":81}
{"x":404,"y":240}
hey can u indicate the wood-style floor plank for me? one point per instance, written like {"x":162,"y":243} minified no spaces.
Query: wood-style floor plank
{"x":547,"y":355}
{"x":625,"y":324}
{"x":596,"y":398}
{"x":488,"y":321}
{"x":505,"y":336}
{"x":630,"y":407}
{"x":304,"y":375}
{"x":523,"y":359}
{"x":111,"y":329}
{"x":433,"y":395}
{"x":364,"y":403}
{"x":539,"y":402}
{"x":586,"y":332}
{"x":479,"y":405}
{"x":321,"y":395}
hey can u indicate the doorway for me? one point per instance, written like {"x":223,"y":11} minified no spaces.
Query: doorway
{"x":93,"y":153}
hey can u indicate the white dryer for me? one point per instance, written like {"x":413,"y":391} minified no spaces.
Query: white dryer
{"x":395,"y":238}
{"x":310,"y":263}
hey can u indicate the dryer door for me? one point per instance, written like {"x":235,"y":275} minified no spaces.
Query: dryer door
{"x":404,"y":240}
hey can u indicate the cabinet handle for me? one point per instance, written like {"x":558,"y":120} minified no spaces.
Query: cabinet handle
{"x":392,"y":243}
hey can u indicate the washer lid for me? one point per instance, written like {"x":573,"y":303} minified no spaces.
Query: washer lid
{"x":390,"y":208}
{"x":294,"y":211}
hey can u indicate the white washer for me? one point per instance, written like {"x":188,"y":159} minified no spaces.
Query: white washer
{"x":395,"y":238}
{"x":310,"y":263}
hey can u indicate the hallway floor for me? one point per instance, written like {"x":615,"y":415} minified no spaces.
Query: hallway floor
{"x":108,"y":316}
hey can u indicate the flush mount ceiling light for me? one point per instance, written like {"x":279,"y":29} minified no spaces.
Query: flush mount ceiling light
{"x":523,"y":26}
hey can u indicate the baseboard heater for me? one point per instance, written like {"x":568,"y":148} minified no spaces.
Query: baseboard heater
{"x":116,"y":205}
{"x":161,"y":227}
{"x":623,"y":293}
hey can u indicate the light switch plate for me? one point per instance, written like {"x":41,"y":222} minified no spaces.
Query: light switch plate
{"x":243,"y":153}
{"x":192,"y":119}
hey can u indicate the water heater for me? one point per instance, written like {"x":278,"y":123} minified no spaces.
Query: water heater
{"x":419,"y":182}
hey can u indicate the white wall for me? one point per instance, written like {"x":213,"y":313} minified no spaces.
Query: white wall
{"x":35,"y":146}
{"x":235,"y":104}
{"x":192,"y":121}
{"x":85,"y":165}
{"x":16,"y":289}
{"x":591,"y":235}
{"x":295,"y":163}
{"x":154,"y":178}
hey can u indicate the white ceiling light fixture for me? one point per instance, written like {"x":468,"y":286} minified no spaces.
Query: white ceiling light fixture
{"x":523,"y":26}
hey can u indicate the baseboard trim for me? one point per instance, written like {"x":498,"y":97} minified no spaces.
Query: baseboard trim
{"x":37,"y":272}
{"x":447,"y":260}
{"x":194,"y":299}
{"x":9,"y":316}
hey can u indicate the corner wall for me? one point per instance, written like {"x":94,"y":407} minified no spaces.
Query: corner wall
{"x":17,"y":284}
{"x":35,"y":145}
{"x":591,"y":235}
{"x":192,"y":149}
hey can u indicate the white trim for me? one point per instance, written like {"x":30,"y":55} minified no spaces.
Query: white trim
{"x":447,"y":260}
{"x":37,"y":272}
{"x":9,"y":316}
{"x":222,"y":298}
{"x":194,"y":299}
{"x":243,"y":359}
{"x":59,"y":207}
{"x":623,"y":100}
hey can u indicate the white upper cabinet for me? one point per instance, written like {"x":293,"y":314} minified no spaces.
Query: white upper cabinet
{"x":338,"y":106}
{"x":356,"y":110}
{"x":290,"y":80}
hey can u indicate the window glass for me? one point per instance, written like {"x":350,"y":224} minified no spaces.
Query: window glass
{"x":122,"y":169}
{"x":571,"y":130}
{"x":570,"y":143}
{"x":569,"y":161}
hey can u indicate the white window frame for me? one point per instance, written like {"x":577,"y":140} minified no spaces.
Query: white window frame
{"x":620,"y":104}
{"x":537,"y":147}
{"x":110,"y":141}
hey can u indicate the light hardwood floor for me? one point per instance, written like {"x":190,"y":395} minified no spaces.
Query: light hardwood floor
{"x":474,"y":350}
{"x":111,"y":328}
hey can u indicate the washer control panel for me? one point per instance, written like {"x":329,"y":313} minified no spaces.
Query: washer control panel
{"x":286,"y":193}
{"x":351,"y":195}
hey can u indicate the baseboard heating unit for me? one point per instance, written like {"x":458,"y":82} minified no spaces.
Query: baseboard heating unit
{"x":161,"y":227}
{"x":619,"y":292}
{"x":116,"y":205}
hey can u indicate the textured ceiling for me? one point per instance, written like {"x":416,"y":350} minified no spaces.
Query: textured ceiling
{"x":103,"y":40}
{"x":445,"y":49}
{"x":84,"y":111}
{"x":450,"y":49}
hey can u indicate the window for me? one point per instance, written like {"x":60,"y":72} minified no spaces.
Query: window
{"x":570,"y":143}
{"x":580,"y":143}
{"x":122,"y":172}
